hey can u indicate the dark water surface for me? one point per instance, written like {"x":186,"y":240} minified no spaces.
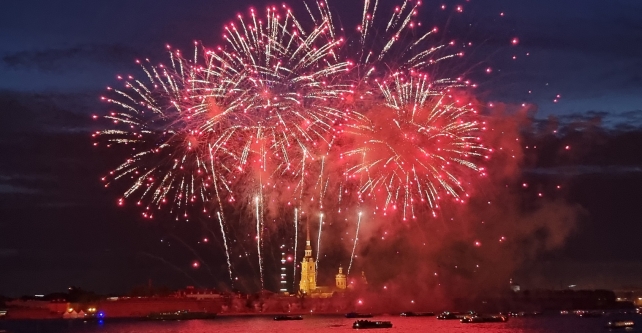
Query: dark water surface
{"x":541,"y":324}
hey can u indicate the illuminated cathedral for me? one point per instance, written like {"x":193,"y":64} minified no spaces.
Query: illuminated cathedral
{"x":308,"y":284}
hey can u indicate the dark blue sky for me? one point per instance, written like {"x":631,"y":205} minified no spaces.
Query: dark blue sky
{"x":57,"y":57}
{"x":590,"y":53}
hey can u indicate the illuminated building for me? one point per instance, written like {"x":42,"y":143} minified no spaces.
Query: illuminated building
{"x":198,"y":294}
{"x":308,"y":284}
{"x":283,"y":280}
{"x":341,"y":279}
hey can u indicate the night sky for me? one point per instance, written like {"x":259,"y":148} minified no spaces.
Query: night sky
{"x":59,"y":226}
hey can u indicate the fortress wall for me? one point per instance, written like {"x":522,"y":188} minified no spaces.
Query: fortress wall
{"x":140,"y":307}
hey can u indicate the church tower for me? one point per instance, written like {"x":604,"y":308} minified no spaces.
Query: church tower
{"x":308,"y":282}
{"x":341,"y":279}
{"x":364,"y":281}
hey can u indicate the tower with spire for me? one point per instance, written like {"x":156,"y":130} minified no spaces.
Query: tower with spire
{"x":308,"y":283}
{"x":341,"y":280}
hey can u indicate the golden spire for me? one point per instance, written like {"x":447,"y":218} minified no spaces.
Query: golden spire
{"x":308,"y":246}
{"x":307,"y":225}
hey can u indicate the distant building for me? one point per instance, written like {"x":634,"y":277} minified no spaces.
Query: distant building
{"x":341,"y":280}
{"x":308,"y":283}
{"x":364,"y":281}
{"x":283,"y":275}
{"x":198,"y":294}
{"x":569,"y":299}
{"x":633,"y":295}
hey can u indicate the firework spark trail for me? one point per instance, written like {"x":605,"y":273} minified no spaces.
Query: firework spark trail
{"x":320,"y":183}
{"x":258,"y":239}
{"x":319,"y":238}
{"x":227,"y":250}
{"x":296,"y":238}
{"x":316,"y":272}
{"x":354,"y":247}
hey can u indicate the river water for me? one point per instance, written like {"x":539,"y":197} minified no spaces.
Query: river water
{"x":319,"y":323}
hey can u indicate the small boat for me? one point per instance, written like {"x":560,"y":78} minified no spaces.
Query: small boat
{"x":364,"y":324}
{"x":447,"y":315}
{"x":484,"y":319}
{"x":181,"y":315}
{"x":358,"y":315}
{"x":620,"y":324}
{"x":528,"y":314}
{"x":417,"y":314}
{"x":279,"y":318}
{"x":590,"y":314}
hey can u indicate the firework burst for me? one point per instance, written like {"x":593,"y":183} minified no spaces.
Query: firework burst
{"x":286,"y":111}
{"x":415,"y":145}
{"x":272,"y":88}
{"x":156,"y":120}
{"x":259,"y":105}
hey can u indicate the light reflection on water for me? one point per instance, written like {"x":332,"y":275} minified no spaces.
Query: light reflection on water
{"x":542,"y":324}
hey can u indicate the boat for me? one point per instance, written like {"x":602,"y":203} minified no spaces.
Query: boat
{"x":417,"y":314}
{"x":484,"y":319}
{"x":181,"y":315}
{"x":358,"y":315}
{"x":447,"y":315}
{"x":279,"y":318}
{"x":364,"y":324}
{"x":620,"y":324}
{"x":528,"y":314}
{"x":590,"y":314}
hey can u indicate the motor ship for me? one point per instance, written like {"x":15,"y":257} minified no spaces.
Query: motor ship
{"x":417,"y":314}
{"x":366,"y":324}
{"x":620,"y":324}
{"x":589,"y":314}
{"x":484,"y":319}
{"x":447,"y":315}
{"x":181,"y":315}
{"x":280,"y":318}
{"x":358,"y":315}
